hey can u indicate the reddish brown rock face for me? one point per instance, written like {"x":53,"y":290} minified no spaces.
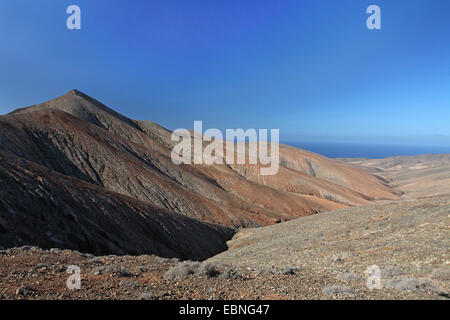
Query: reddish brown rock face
{"x":73,"y":149}
{"x":45,"y":208}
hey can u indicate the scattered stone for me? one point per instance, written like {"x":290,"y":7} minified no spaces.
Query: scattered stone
{"x":266,"y":272}
{"x":230,"y":283}
{"x":41,"y":266}
{"x":96,"y":260}
{"x":148,"y":296}
{"x":131,"y":285}
{"x":410,"y":284}
{"x":163,"y":260}
{"x":22,"y":291}
{"x":120,"y":271}
{"x":336,"y":290}
{"x":349,"y":276}
{"x":143,"y":269}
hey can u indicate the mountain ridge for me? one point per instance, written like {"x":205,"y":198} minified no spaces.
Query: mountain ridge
{"x":79,"y":137}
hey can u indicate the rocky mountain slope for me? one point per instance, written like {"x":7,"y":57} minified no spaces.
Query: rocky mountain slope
{"x":402,"y":237}
{"x":77,"y":175}
{"x":120,"y":164}
{"x":78,"y":136}
{"x":42,"y":207}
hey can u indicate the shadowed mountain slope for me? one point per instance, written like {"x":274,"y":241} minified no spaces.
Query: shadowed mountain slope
{"x":41,"y":207}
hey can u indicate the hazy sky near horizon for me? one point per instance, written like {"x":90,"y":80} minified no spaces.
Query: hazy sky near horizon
{"x":310,"y":68}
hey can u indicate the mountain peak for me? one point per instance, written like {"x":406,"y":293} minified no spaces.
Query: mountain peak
{"x":82,"y":106}
{"x":75,"y":92}
{"x":78,"y":93}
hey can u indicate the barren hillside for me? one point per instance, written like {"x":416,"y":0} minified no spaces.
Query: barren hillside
{"x":42,"y":207}
{"x":80,"y":137}
{"x":409,"y":237}
{"x":414,"y":176}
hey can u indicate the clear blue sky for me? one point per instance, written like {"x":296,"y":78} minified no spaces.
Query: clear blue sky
{"x":310,"y":68}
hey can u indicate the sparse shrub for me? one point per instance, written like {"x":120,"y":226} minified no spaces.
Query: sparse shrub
{"x":411,"y":284}
{"x":349,"y":276}
{"x":96,"y":260}
{"x":336,"y":289}
{"x":167,"y":260}
{"x":162,"y":260}
{"x":182,"y":269}
{"x":188,"y":268}
{"x":230,"y":274}
{"x":120,"y":271}
{"x":290,"y":270}
{"x":442,"y":274}
{"x":148,"y":296}
{"x":266,"y":272}
{"x":391,"y":271}
{"x":208,"y":269}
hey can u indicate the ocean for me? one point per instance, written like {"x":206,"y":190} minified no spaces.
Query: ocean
{"x":370,"y":151}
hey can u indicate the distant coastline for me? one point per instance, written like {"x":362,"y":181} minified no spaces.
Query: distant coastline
{"x":370,"y":151}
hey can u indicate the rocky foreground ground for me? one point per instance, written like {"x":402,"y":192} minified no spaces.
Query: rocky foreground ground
{"x":318,"y":257}
{"x":33,"y":273}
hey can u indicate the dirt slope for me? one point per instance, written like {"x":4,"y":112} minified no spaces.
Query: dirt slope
{"x":410,"y":235}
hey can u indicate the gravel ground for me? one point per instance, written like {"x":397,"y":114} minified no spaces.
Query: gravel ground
{"x":33,"y":273}
{"x":406,"y":239}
